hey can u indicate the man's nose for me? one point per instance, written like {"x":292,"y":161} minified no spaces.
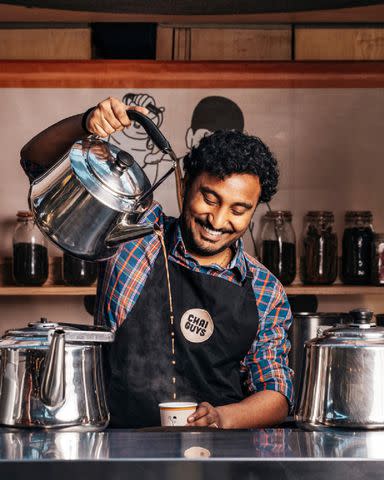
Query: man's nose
{"x":218,"y":219}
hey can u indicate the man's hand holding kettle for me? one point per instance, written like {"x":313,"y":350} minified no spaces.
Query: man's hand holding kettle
{"x":110,"y":116}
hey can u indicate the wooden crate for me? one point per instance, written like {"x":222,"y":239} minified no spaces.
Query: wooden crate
{"x":338,"y":43}
{"x":45,"y":43}
{"x":242,"y":43}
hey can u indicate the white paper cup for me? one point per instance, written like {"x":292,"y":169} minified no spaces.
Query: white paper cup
{"x":175,"y":414}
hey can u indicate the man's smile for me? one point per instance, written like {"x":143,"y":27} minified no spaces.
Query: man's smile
{"x":207,"y":232}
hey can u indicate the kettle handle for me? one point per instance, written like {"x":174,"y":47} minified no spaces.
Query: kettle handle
{"x":154,"y":133}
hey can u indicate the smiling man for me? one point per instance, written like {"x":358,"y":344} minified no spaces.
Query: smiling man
{"x":217,"y":212}
{"x":231,"y":315}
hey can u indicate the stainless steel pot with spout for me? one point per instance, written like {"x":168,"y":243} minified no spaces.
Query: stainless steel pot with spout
{"x":51,"y":376}
{"x":91,"y":200}
{"x":343,"y":382}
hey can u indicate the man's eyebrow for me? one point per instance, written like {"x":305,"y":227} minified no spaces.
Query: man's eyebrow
{"x":245,"y":205}
{"x":208,"y":190}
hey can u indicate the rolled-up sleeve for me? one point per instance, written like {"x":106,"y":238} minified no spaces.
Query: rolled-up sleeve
{"x":267,"y":360}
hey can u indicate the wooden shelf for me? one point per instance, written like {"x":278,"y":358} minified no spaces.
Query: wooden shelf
{"x":49,"y":290}
{"x":338,"y":289}
{"x":171,"y":74}
{"x":296,"y":289}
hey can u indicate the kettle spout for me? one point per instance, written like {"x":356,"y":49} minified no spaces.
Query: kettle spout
{"x":124,"y":233}
{"x":52,"y":387}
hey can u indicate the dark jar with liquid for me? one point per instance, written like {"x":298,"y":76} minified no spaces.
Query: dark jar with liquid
{"x":356,"y":257}
{"x":377,"y":266}
{"x":278,"y":245}
{"x":318,"y":262}
{"x":30,"y":254}
{"x":78,"y":272}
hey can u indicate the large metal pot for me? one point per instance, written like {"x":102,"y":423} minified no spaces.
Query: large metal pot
{"x":343,"y":381}
{"x":51,"y":376}
{"x":305,"y":326}
{"x":91,"y":200}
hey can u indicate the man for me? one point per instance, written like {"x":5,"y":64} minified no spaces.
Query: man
{"x":210,"y":114}
{"x":231,"y":315}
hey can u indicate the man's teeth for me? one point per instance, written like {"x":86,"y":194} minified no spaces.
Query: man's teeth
{"x":216,"y":233}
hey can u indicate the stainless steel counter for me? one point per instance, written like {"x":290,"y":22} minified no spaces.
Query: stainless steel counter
{"x":283,"y":453}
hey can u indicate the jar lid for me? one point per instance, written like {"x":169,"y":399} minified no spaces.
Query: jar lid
{"x":320,"y":215}
{"x":279,"y":214}
{"x":24,"y":214}
{"x":355,"y":215}
{"x":38,"y":334}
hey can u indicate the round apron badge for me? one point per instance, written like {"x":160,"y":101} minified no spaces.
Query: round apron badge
{"x":196,"y":325}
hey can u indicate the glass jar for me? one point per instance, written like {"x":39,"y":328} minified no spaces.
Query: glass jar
{"x":318,"y":263}
{"x":278,"y":245}
{"x":78,"y":272}
{"x":377,"y":266}
{"x":357,"y":248}
{"x":30,"y":254}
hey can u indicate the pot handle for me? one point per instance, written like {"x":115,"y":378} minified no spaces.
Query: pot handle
{"x":149,"y":192}
{"x":156,"y":136}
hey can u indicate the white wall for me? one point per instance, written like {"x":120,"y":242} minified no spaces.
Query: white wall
{"x":328,"y":143}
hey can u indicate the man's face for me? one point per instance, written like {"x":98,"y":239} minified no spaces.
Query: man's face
{"x":217,"y":212}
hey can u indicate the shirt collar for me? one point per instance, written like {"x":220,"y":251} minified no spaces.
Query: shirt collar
{"x":238,"y":263}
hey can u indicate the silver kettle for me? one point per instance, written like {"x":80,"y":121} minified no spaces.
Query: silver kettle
{"x":51,"y":376}
{"x":92,"y":199}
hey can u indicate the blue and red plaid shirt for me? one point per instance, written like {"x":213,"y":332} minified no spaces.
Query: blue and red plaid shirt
{"x":123,"y":277}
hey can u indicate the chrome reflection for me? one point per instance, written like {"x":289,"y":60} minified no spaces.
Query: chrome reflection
{"x":41,"y":444}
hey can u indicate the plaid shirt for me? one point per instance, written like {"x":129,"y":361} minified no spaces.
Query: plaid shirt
{"x":122,"y":278}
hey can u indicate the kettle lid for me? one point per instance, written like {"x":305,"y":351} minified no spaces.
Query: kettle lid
{"x":109,"y":173}
{"x":38,"y":334}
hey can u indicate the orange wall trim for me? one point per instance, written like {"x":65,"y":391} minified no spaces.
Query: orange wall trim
{"x":155,"y":74}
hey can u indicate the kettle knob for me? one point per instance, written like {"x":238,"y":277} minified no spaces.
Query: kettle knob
{"x":361,"y":316}
{"x":124,"y":160}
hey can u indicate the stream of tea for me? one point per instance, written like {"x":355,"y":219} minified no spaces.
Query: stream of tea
{"x":171,"y":313}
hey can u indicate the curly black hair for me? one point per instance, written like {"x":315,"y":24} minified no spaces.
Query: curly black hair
{"x":226,"y":152}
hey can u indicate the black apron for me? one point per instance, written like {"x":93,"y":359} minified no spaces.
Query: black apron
{"x":216,"y":322}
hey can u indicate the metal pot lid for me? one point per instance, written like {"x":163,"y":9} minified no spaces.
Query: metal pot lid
{"x":355,"y":331}
{"x":38,"y":334}
{"x":362,"y":331}
{"x":108,"y":172}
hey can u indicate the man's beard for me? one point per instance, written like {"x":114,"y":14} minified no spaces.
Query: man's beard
{"x":192,"y":246}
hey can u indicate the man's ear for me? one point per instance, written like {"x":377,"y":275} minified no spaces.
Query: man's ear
{"x":184,"y":184}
